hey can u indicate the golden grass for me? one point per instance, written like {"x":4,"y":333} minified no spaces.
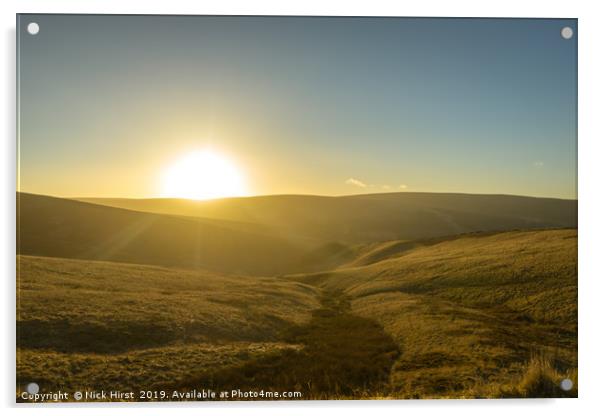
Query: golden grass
{"x":72,"y":305}
{"x":110,"y":325}
{"x":147,"y":369}
{"x":539,"y":378}
{"x":529,"y":272}
{"x":470,"y":311}
{"x":484,"y":315}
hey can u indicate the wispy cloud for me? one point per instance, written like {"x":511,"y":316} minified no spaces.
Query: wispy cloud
{"x":375,"y":187}
{"x":538,"y":164}
{"x":356,"y":182}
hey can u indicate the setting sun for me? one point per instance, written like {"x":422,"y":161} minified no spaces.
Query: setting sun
{"x":203,"y":174}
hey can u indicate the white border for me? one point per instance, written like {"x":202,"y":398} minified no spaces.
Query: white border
{"x":590,"y":207}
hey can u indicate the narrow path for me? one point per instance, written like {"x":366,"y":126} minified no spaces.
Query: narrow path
{"x":343,"y":356}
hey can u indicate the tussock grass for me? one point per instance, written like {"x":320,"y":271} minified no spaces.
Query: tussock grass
{"x":539,"y":378}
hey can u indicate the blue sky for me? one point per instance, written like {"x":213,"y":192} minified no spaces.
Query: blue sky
{"x":327,"y":106}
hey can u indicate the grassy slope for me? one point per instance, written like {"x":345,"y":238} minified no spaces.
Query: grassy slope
{"x":155,"y":324}
{"x":69,"y":305}
{"x":523,"y":271}
{"x":477,"y":315}
{"x":360,"y":219}
{"x":148,"y":369}
{"x":472,"y":311}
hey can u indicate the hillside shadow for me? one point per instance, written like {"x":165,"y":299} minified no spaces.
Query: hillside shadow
{"x":342,"y":355}
{"x":67,"y":336}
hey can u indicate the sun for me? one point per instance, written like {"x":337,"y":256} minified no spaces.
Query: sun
{"x":203,"y":174}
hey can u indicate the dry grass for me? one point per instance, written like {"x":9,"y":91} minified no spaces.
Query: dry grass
{"x":474,"y":316}
{"x":126,"y":322}
{"x":533,"y":273}
{"x":342,"y":355}
{"x":147,"y":369}
{"x":72,"y":305}
{"x":539,"y":379}
{"x":470,"y":311}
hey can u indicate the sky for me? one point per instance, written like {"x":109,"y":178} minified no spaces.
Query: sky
{"x":325,"y":106}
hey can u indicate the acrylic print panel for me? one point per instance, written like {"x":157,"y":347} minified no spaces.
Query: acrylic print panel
{"x":295,"y":208}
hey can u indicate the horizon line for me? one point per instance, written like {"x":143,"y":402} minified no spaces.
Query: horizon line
{"x":293,"y":195}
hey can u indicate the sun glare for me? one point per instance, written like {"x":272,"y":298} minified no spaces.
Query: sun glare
{"x":203,"y":174}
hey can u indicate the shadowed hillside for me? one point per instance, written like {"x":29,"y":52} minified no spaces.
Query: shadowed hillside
{"x":266,"y":235}
{"x":65,"y":228}
{"x":360,"y":219}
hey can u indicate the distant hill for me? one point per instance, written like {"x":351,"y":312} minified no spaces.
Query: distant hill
{"x":57,"y":227}
{"x":360,"y":219}
{"x":267,"y":235}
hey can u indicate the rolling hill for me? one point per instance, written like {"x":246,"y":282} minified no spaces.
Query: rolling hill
{"x":361,"y":219}
{"x":473,"y":315}
{"x":57,"y":227}
{"x":267,"y":235}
